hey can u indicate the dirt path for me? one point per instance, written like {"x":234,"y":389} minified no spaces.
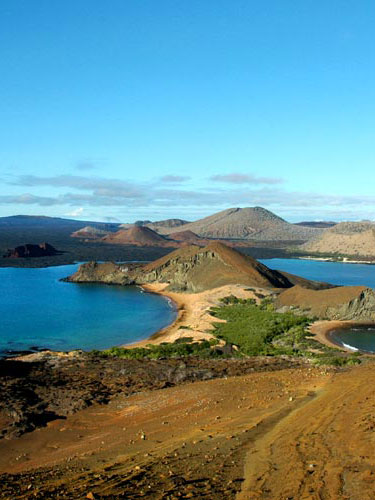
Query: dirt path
{"x":296,"y":434}
{"x":181,"y":442}
{"x":321,"y":450}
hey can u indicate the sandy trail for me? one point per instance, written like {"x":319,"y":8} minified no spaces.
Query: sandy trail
{"x":321,"y":450}
{"x":195,"y":439}
{"x":294,"y":434}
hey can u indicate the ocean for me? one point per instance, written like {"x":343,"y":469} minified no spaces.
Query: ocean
{"x":38,"y":311}
{"x":337,"y":273}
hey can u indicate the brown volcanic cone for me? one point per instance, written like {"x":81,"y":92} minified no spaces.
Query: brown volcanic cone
{"x":89,"y":232}
{"x":185,"y":236}
{"x":250,"y":223}
{"x":137,"y":235}
{"x":196,"y":269}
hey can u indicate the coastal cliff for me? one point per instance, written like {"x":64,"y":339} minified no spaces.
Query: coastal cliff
{"x":340,"y":303}
{"x":189,"y":269}
{"x":107,"y":272}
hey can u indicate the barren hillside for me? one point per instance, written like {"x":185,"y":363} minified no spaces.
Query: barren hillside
{"x":90,"y":232}
{"x":138,"y":235}
{"x":247,"y":223}
{"x":344,"y":303}
{"x":346,"y":238}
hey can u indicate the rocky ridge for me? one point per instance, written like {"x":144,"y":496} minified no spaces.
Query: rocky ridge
{"x":189,"y":269}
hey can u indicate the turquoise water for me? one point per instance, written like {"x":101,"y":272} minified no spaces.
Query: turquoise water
{"x":39,"y":311}
{"x":338,"y":273}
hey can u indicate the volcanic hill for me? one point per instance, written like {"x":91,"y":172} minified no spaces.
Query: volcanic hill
{"x":190,"y":269}
{"x":156,"y":225}
{"x":90,"y":233}
{"x":138,"y":236}
{"x":254,"y":223}
{"x":346,"y":238}
{"x":185,"y":236}
{"x":196,"y":269}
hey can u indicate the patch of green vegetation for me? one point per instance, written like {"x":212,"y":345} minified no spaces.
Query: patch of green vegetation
{"x":333,"y":360}
{"x":254,"y":328}
{"x":260,"y":330}
{"x":182,"y":340}
{"x":178,"y":349}
{"x":232,"y":299}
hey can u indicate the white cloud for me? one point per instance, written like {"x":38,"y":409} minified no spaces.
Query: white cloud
{"x":82,"y":192}
{"x":76,"y":212}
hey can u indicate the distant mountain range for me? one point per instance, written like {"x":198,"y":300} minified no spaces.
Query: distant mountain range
{"x":84,"y":240}
{"x":167,"y":223}
{"x":252,"y":223}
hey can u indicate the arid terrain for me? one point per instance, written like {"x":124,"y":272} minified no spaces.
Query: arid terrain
{"x":297,"y":433}
{"x":355,"y":239}
{"x":76,"y":245}
{"x":277,"y":426}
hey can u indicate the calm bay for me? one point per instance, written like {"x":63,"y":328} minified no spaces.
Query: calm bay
{"x":37,"y":311}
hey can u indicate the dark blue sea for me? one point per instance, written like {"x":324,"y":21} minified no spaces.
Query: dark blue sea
{"x":39,"y":311}
{"x":338,"y":273}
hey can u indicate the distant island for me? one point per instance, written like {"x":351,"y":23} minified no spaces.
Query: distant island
{"x":31,"y":250}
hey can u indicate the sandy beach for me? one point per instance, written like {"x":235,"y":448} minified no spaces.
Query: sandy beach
{"x":193,"y":317}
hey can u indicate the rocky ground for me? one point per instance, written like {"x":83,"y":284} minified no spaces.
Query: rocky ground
{"x":260,"y":428}
{"x":50,"y":386}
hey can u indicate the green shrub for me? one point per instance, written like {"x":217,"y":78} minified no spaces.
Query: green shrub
{"x":180,"y":348}
{"x":253,"y":329}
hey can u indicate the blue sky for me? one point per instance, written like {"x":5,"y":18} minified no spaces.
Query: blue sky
{"x":131,"y":110}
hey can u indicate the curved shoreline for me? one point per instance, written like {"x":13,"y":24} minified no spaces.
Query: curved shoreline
{"x":193,"y":318}
{"x":322,"y":331}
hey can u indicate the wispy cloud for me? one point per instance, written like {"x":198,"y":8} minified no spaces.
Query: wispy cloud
{"x":174,"y":179}
{"x":99,"y":186}
{"x":27,"y":199}
{"x":236,"y":178}
{"x":79,"y":191}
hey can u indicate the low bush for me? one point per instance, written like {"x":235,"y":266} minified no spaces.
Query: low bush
{"x":254,"y":328}
{"x":178,"y":349}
